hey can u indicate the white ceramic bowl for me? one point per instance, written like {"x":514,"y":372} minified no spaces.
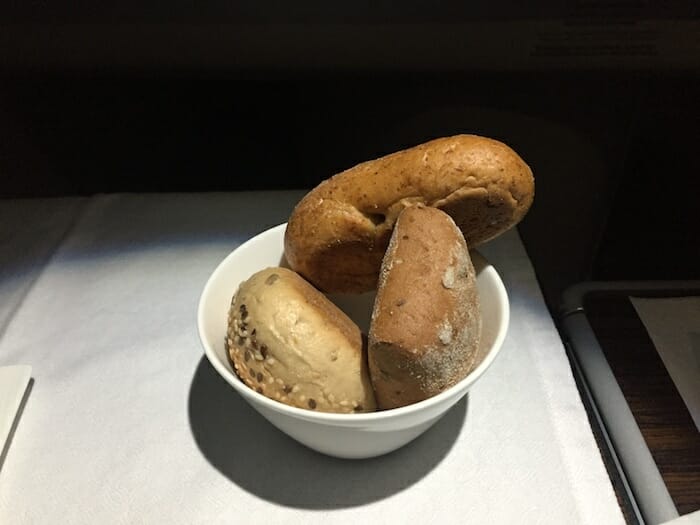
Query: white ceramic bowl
{"x":341,"y":435}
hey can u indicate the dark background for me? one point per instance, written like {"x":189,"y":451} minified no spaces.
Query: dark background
{"x":600,"y":98}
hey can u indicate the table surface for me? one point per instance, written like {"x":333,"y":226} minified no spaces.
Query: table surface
{"x":128,"y":423}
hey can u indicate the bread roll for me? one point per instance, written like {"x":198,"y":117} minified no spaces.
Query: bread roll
{"x":290,"y":343}
{"x":338,"y":233}
{"x":426,"y":323}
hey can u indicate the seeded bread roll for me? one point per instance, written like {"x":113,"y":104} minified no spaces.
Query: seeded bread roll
{"x":338,"y":233}
{"x":290,"y":343}
{"x":426,"y":323}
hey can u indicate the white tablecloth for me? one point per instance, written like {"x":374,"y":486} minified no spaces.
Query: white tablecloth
{"x":128,"y":423}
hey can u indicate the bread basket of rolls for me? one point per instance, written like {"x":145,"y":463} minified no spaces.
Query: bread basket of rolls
{"x":361,"y":321}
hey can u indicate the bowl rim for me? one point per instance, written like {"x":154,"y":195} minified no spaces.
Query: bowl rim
{"x":331,"y":417}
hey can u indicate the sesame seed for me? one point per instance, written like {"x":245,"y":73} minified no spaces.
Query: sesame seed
{"x":295,"y":389}
{"x":270,"y":379}
{"x":246,"y":356}
{"x":259,"y":377}
{"x":312,"y":403}
{"x":302,"y":398}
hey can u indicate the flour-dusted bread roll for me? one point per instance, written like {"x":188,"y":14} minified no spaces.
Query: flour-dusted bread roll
{"x":338,"y":233}
{"x":426,"y":323}
{"x":290,"y":343}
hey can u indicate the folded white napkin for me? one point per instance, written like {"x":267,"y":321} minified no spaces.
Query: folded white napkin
{"x":673,"y":324}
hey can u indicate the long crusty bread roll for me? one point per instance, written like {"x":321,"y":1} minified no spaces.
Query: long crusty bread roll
{"x":290,"y":343}
{"x":426,"y":323}
{"x":338,"y":233}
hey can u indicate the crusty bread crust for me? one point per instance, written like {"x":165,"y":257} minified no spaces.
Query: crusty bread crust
{"x":290,"y":343}
{"x":426,"y":323}
{"x":338,"y":233}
